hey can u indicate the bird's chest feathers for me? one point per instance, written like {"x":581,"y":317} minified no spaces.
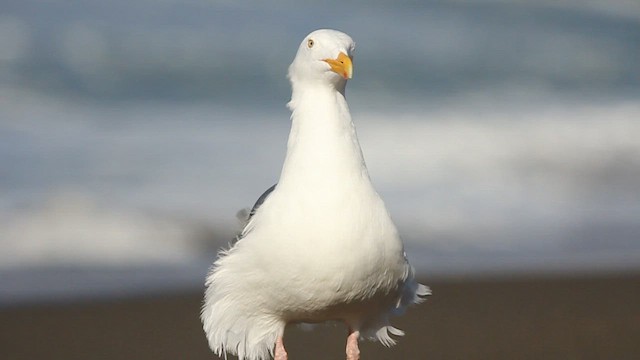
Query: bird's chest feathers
{"x":324,"y":188}
{"x":325,"y":218}
{"x":329,"y":212}
{"x":326,"y":208}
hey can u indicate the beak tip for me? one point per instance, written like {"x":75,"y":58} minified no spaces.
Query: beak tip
{"x":342,"y":65}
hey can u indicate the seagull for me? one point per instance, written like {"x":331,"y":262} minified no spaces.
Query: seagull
{"x":319,"y":245}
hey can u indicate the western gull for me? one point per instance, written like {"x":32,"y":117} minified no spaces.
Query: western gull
{"x":319,"y":245}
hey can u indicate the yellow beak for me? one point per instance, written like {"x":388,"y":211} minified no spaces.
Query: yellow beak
{"x":341,"y":65}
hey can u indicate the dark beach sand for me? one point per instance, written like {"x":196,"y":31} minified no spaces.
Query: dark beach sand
{"x":587,"y":317}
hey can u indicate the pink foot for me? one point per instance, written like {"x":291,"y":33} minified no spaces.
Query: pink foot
{"x":281,"y":353}
{"x":353,"y":352}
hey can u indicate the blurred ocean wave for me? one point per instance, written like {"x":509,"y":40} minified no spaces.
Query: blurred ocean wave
{"x":227,"y":52}
{"x":528,"y":181}
{"x":502,"y":134}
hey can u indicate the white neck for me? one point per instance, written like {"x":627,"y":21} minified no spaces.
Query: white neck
{"x":323,"y":151}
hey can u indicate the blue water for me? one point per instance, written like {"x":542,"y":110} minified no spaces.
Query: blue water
{"x":503,"y":136}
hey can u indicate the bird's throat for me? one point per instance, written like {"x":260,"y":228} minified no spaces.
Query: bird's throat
{"x":323,"y":148}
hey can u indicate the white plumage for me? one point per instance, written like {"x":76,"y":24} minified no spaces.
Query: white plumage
{"x":321,"y":246}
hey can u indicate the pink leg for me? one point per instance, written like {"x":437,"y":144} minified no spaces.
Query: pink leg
{"x":281,"y":353}
{"x":353,"y":352}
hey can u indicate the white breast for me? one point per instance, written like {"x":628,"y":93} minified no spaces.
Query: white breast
{"x":325,"y":225}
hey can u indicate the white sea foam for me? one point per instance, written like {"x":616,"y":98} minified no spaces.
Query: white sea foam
{"x":559,"y":165}
{"x":72,"y":230}
{"x":84,"y":184}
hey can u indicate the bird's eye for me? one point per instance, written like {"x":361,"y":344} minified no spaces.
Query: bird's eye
{"x":310,"y":43}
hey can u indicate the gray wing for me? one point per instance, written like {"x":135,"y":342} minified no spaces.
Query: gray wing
{"x":260,"y":201}
{"x":254,"y":209}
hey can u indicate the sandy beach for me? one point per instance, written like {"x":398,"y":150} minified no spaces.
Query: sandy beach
{"x":542,"y":317}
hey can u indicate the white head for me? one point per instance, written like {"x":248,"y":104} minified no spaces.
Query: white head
{"x":323,"y":56}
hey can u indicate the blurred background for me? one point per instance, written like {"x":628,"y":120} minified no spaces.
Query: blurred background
{"x":504,"y":137}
